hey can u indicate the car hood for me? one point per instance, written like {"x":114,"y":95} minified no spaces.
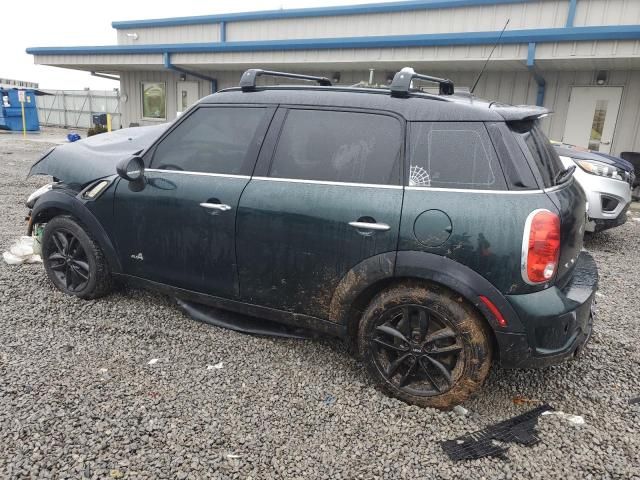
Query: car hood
{"x":78,"y":163}
{"x":582,"y":154}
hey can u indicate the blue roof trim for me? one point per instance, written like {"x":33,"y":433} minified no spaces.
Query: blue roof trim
{"x":539,"y":35}
{"x":310,"y":12}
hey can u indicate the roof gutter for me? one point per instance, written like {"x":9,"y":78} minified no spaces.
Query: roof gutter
{"x":531,"y":65}
{"x":565,"y":34}
{"x":166,"y":59}
{"x":104,"y":75}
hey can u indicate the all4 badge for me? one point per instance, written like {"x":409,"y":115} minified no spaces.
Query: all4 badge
{"x":138,"y":257}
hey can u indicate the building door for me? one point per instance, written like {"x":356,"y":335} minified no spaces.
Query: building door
{"x":591,"y":120}
{"x":187,"y":95}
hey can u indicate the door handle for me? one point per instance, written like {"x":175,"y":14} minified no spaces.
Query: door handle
{"x":605,"y":143}
{"x":216,"y":206}
{"x":381,"y":227}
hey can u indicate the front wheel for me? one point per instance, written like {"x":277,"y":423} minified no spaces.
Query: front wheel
{"x":73,"y":260}
{"x":424,"y":345}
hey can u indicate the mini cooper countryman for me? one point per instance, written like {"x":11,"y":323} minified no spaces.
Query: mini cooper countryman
{"x":438,"y":233}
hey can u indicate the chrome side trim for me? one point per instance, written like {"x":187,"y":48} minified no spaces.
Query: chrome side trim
{"x":470,"y":190}
{"x":525,"y":247}
{"x":322,"y":182}
{"x":204,"y":174}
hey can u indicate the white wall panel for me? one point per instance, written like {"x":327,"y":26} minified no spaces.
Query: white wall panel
{"x":541,"y":14}
{"x":607,"y":12}
{"x":174,"y":34}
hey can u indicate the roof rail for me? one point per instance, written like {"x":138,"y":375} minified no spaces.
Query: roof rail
{"x":401,"y":83}
{"x":248,"y":79}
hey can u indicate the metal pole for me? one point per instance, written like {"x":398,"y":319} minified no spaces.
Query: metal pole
{"x":64,"y":109}
{"x":24,"y":121}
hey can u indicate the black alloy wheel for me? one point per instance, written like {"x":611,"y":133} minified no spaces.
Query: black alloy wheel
{"x":73,"y":260}
{"x":425,"y":344}
{"x":68,"y":260}
{"x":416,"y":350}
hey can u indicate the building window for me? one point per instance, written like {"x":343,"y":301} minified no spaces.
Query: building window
{"x":154,"y":100}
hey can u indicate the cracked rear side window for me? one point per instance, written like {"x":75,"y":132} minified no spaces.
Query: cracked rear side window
{"x":453,"y":155}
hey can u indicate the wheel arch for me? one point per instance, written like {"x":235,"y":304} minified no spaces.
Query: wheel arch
{"x":55,"y":203}
{"x":358,"y":287}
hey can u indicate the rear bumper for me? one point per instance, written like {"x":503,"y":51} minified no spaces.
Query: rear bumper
{"x":558,"y":322}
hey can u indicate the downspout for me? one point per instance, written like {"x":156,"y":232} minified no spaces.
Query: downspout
{"x":166,"y":57}
{"x":531,"y":65}
{"x":571,"y":14}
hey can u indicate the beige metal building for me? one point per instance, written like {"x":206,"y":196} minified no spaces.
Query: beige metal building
{"x":580,"y":58}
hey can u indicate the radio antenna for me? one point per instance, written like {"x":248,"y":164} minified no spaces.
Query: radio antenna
{"x":475,"y":84}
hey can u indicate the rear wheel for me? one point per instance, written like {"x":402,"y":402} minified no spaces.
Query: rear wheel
{"x":424,"y":345}
{"x":73,"y":260}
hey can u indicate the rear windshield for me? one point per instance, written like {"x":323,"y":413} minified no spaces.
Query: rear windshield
{"x":538,"y":147}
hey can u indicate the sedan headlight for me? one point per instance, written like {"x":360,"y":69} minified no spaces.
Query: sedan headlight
{"x":601,"y":169}
{"x":37,"y":194}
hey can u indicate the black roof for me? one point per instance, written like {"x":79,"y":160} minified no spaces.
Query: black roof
{"x":418,"y":106}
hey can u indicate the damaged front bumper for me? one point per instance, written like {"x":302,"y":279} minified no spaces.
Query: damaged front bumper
{"x":558,"y":321}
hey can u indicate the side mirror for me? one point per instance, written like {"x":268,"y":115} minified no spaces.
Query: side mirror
{"x":131,"y":169}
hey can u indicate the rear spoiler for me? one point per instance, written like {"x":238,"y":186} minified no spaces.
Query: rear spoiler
{"x":518,"y":113}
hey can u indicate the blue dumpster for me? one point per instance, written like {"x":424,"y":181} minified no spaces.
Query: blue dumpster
{"x":11,"y":110}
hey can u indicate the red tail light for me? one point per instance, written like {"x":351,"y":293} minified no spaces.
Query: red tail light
{"x":540,"y":246}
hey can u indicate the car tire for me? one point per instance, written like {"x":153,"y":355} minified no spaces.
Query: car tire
{"x":73,"y":260}
{"x":425,"y":345}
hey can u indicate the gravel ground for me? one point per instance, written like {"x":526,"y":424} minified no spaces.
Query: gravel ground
{"x":79,"y":399}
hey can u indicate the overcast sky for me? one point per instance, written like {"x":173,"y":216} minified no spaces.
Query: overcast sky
{"x":51,"y":23}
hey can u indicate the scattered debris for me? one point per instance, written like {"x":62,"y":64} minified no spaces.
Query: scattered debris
{"x":633,"y":401}
{"x":232,"y":456}
{"x":490,"y":441}
{"x":153,"y":361}
{"x":116,"y":474}
{"x":217,"y":366}
{"x":329,"y":400}
{"x":73,"y":137}
{"x":520,"y":400}
{"x":67,"y":348}
{"x":575,"y":419}
{"x":103,"y":370}
{"x":460,"y":410}
{"x":22,"y":252}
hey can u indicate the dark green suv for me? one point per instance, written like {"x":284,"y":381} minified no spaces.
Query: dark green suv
{"x":437,"y":232}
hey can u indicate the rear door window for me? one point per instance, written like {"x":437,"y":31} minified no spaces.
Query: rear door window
{"x":326,"y":145}
{"x":212,"y":140}
{"x":453,"y":155}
